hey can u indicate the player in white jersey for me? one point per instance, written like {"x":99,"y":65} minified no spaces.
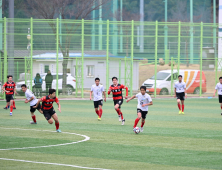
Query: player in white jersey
{"x":218,"y":89}
{"x":97,"y":90}
{"x":30,"y":98}
{"x":180,"y":93}
{"x":144,"y":100}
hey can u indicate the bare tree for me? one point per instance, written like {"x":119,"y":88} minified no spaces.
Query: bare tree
{"x":68,"y":9}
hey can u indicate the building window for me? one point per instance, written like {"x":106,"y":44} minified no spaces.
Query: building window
{"x":77,"y":72}
{"x":46,"y":68}
{"x":90,"y":71}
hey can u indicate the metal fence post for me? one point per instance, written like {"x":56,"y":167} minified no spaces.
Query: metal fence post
{"x":31,"y":52}
{"x":131,"y":68}
{"x":171,"y":92}
{"x":201,"y":55}
{"x":5,"y":52}
{"x":178,"y":46}
{"x":156,"y":44}
{"x":120,"y":71}
{"x":107,"y":57}
{"x":25,"y":71}
{"x":82,"y":78}
{"x":57,"y":56}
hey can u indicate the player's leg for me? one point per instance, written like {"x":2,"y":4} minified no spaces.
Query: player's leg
{"x":138,"y":118}
{"x":11,"y":107}
{"x":221,"y":107}
{"x":182,"y":103}
{"x":7,"y":102}
{"x":96,"y":108}
{"x":178,"y":104}
{"x":55,"y":117}
{"x":100,"y":111}
{"x":144,"y":113}
{"x":32,"y":111}
{"x":116,"y":107}
{"x":14,"y":104}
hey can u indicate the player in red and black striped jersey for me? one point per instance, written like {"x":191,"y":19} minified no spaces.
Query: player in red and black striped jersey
{"x":10,"y":89}
{"x":116,"y":89}
{"x":47,"y":108}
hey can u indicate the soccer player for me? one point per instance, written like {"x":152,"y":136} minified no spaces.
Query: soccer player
{"x":9,"y":88}
{"x":30,"y":98}
{"x":180,"y":93}
{"x":47,"y":107}
{"x":219,"y":89}
{"x":97,"y":90}
{"x":116,"y":89}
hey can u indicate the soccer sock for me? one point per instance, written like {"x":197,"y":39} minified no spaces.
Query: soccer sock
{"x":179,"y":106}
{"x":7,"y":106}
{"x":34,"y":118}
{"x":121,"y":114}
{"x":57,"y":125}
{"x":100,"y":113}
{"x":142,"y":123}
{"x":11,"y":109}
{"x":221,"y":107}
{"x":182,"y":107}
{"x":136,"y":122}
{"x":13,"y":103}
{"x":97,"y":112}
{"x":118,"y":111}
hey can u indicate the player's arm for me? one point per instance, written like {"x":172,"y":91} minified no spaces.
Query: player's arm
{"x":59,"y":106}
{"x":125,"y":87}
{"x":27,"y":101}
{"x":3,"y":88}
{"x":109,"y":90}
{"x":90,"y":95}
{"x":15,"y":89}
{"x":104,"y":93}
{"x":37,"y":104}
{"x":175,"y":92}
{"x":148,"y":104}
{"x":133,"y":97}
{"x":215,"y":91}
{"x":185,"y":91}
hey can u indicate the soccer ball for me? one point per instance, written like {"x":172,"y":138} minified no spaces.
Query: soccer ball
{"x":137,"y":130}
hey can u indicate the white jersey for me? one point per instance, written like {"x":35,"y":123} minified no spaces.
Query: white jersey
{"x":97,"y":92}
{"x":219,"y":88}
{"x":180,"y":87}
{"x":29,"y":95}
{"x":143,"y":99}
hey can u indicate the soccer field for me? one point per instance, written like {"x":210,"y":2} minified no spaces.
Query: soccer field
{"x":169,"y":141}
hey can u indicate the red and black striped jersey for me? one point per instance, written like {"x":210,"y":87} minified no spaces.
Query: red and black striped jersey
{"x":47,"y":103}
{"x":117,"y":91}
{"x":9,"y":87}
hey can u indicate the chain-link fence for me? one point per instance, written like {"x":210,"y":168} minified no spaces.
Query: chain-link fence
{"x":68,"y":55}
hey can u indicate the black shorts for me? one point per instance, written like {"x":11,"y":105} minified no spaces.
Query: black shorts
{"x":220,"y":98}
{"x":9,"y":97}
{"x":144,"y":113}
{"x":97,"y":103}
{"x":181,"y":96}
{"x":119,"y":102}
{"x":34,"y":109}
{"x":48,"y":113}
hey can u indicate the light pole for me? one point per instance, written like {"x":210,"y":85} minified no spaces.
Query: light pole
{"x":166,"y":33}
{"x":141,"y":25}
{"x":27,"y":63}
{"x":191,"y":32}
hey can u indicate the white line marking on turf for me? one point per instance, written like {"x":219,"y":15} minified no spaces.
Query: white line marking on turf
{"x":62,"y":144}
{"x":48,"y":163}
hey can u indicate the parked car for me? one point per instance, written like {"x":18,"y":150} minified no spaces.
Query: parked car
{"x":70,"y":84}
{"x":163,"y":81}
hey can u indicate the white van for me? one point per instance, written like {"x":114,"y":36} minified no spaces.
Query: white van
{"x":163,"y":81}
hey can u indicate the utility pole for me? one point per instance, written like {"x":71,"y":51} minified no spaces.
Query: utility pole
{"x":166,"y":33}
{"x":191,"y":32}
{"x":141,"y":25}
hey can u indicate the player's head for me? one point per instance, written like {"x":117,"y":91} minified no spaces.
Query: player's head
{"x":24,"y":87}
{"x":49,"y":72}
{"x":180,"y":77}
{"x":220,"y":79}
{"x":97,"y":80}
{"x":115,"y":80}
{"x":143,"y":89}
{"x":52,"y":93}
{"x":9,"y":77}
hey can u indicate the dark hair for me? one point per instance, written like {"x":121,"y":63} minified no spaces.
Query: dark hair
{"x":220,"y":78}
{"x":9,"y":76}
{"x":143,"y":87}
{"x":180,"y":76}
{"x":97,"y":79}
{"x":51,"y":91}
{"x":114,"y":78}
{"x":23,"y":85}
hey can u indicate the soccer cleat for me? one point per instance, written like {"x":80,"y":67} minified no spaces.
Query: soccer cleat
{"x":10,"y":113}
{"x":221,"y":114}
{"x":120,"y":118}
{"x":14,"y":107}
{"x":141,"y":129}
{"x":58,"y":130}
{"x":180,"y":112}
{"x":5,"y":108}
{"x":123,"y":121}
{"x":32,"y":122}
{"x":99,"y":118}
